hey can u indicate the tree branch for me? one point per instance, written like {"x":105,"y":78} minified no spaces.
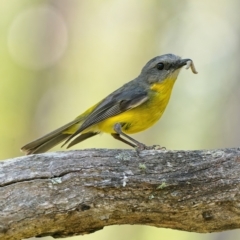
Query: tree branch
{"x":76,"y":192}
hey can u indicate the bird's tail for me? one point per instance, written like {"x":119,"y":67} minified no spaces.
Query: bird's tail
{"x":50,"y":140}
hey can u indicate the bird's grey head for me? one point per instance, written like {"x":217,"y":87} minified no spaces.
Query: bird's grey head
{"x":163,"y":67}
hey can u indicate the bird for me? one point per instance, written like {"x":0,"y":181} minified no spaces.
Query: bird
{"x":132,"y":108}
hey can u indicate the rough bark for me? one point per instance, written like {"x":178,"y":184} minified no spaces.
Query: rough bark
{"x":77,"y":192}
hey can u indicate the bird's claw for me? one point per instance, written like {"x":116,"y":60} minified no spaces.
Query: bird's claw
{"x":141,"y":147}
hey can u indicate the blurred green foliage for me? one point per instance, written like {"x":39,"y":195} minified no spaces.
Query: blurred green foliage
{"x":59,"y":57}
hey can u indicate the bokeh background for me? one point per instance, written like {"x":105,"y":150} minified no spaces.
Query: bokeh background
{"x":60,"y":57}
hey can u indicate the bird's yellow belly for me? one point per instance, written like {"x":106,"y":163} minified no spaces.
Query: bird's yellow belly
{"x":139,"y":118}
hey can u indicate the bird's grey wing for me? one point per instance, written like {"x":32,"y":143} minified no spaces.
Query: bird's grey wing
{"x":116,"y":103}
{"x":114,"y":108}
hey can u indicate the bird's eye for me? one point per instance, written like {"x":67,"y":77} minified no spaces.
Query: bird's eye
{"x":160,"y":66}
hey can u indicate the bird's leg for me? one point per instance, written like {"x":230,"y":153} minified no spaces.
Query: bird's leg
{"x":117,"y":136}
{"x":118,"y":129}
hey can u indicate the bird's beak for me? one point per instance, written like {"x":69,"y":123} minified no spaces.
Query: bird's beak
{"x":182,"y":63}
{"x":189,"y":64}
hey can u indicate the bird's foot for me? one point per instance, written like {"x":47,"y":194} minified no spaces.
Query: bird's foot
{"x":141,"y":147}
{"x":157,"y":147}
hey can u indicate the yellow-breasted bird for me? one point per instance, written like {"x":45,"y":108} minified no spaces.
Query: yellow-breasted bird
{"x":132,"y":108}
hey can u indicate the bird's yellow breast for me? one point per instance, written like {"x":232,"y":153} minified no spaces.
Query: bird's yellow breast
{"x":143,"y":116}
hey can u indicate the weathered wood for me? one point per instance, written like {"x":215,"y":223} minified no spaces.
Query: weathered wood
{"x":76,"y":192}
